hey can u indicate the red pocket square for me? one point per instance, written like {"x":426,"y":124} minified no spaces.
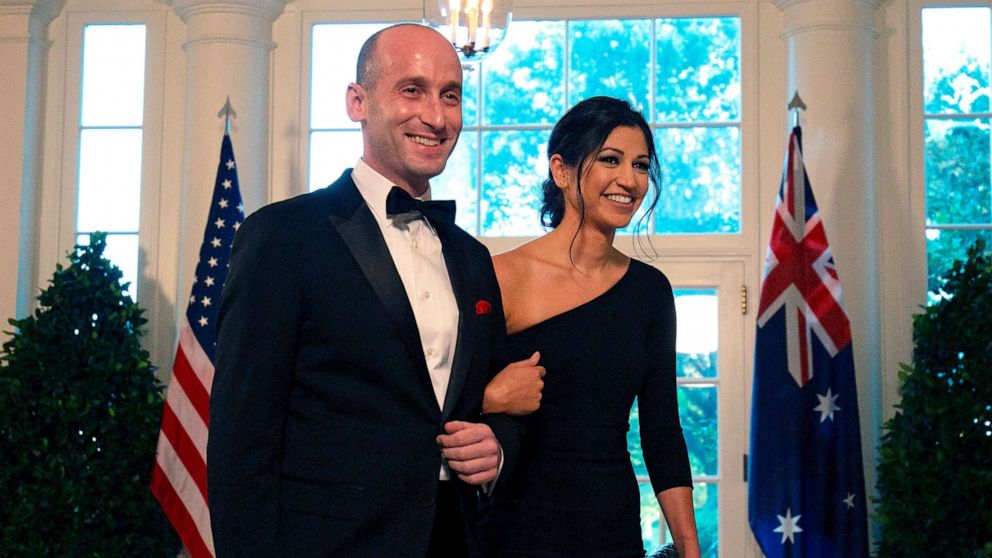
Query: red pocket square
{"x":482,"y":307}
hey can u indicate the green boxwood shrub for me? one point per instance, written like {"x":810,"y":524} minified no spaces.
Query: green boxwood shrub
{"x":935,"y":469}
{"x":80,"y":410}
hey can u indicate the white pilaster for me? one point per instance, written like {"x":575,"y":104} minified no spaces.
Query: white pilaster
{"x":23,"y":50}
{"x":228,"y":49}
{"x":830,"y":54}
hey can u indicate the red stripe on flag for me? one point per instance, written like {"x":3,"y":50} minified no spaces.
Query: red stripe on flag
{"x":177,"y":513}
{"x":191,"y":459}
{"x":183,"y":373}
{"x":804,"y":355}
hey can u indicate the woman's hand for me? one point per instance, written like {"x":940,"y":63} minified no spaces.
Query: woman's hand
{"x":516,"y":390}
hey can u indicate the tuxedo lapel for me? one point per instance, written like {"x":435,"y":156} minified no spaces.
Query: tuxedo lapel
{"x":360,"y":232}
{"x":456,"y":261}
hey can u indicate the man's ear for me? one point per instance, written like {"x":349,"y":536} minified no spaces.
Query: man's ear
{"x":355,"y":102}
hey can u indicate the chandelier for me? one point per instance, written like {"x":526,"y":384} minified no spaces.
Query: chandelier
{"x":474,"y":27}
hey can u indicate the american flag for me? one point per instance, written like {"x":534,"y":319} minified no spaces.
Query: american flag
{"x":179,"y":479}
{"x":806,"y":489}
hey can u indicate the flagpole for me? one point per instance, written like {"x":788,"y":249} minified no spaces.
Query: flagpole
{"x":227,"y":113}
{"x":797,"y":105}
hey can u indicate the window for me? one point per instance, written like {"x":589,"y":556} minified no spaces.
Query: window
{"x":957,"y":54}
{"x":110,"y":141}
{"x":684,"y":74}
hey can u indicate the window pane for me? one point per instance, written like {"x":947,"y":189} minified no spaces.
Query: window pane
{"x":700,"y":180}
{"x":109,"y":180}
{"x":705,"y":500}
{"x":956,"y":60}
{"x":958,"y":171}
{"x":523,"y":80}
{"x":698,"y":73}
{"x":697,"y":342}
{"x":652,"y":528}
{"x":459,"y":182}
{"x":697,"y":412}
{"x":514,"y":164}
{"x":330,"y":154}
{"x":122,"y":251}
{"x":943,"y":247}
{"x":610,"y":57}
{"x":113,"y":75}
{"x":333,"y":56}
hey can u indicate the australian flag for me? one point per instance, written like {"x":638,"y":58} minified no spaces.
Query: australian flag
{"x":806,"y":489}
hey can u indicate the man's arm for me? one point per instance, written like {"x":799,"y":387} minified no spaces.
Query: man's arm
{"x":255,"y":354}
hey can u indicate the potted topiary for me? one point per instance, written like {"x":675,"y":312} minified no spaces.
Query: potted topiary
{"x":79,"y":417}
{"x":935,"y":470}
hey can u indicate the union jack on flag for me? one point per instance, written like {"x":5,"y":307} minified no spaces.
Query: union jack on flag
{"x":806,"y":490}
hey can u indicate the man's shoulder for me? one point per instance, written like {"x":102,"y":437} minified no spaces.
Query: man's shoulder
{"x":315,"y":204}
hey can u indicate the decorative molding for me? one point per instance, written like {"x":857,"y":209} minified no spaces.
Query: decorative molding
{"x":229,"y":40}
{"x":265,"y":9}
{"x":786,"y":4}
{"x":37,"y":14}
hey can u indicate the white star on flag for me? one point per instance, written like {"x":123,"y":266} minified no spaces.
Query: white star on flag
{"x":849,"y":501}
{"x":209,"y":281}
{"x":212,"y":262}
{"x":230,"y":164}
{"x":789,"y":526}
{"x":827,"y":406}
{"x":226,"y":184}
{"x":222,"y":203}
{"x":203,"y":321}
{"x":206,"y":301}
{"x":192,"y":299}
{"x":237,"y":225}
{"x":215,"y":242}
{"x":219,"y":223}
{"x":241,"y":208}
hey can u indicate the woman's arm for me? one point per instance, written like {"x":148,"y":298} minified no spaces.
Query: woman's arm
{"x":676,"y":504}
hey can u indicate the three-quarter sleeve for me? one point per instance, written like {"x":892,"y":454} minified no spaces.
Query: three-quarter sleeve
{"x":661,"y":432}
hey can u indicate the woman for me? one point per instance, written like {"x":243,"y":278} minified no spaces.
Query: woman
{"x":605,"y":329}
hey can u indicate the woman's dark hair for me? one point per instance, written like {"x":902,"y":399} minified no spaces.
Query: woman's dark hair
{"x":581,"y":133}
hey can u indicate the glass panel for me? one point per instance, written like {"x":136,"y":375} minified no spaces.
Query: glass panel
{"x":698,"y":415}
{"x":705,"y":500}
{"x":956,"y":60}
{"x":610,"y":57}
{"x":698,"y":69}
{"x":109,"y":180}
{"x":330,"y":154}
{"x":943,"y":247}
{"x":958,"y":171}
{"x":459,"y":182}
{"x":701,"y":180}
{"x":122,"y":251}
{"x":651,"y":522}
{"x":697,"y":342}
{"x":113,"y":91}
{"x":332,"y":67}
{"x":523,"y":80}
{"x":514,"y":164}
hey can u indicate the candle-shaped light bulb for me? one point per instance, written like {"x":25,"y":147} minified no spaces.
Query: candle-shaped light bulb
{"x":454,"y":6}
{"x":487,"y":12}
{"x":472,"y":18}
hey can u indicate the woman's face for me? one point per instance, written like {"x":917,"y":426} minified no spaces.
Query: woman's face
{"x":614,"y":180}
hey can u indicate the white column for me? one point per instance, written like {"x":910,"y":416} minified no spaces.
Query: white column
{"x":228,"y":49}
{"x":23,"y":50}
{"x":830,"y":52}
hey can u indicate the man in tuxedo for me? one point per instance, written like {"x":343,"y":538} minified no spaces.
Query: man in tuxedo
{"x":358,"y":329}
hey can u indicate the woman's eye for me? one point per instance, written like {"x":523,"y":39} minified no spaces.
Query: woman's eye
{"x":641,"y":166}
{"x":609,"y":159}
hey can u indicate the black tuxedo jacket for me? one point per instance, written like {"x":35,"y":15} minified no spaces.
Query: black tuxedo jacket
{"x":322,"y":416}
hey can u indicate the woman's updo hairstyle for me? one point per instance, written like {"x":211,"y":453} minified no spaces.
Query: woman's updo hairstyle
{"x":581,"y":132}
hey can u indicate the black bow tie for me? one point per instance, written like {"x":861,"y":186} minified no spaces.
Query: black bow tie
{"x":399,"y":202}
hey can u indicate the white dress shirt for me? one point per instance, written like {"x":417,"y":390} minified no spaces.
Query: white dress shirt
{"x":416,"y":252}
